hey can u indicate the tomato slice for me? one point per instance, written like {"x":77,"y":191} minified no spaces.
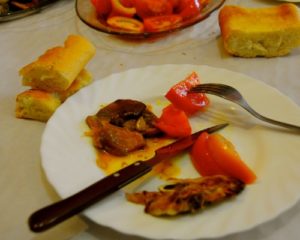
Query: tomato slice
{"x":161,"y":23}
{"x":225,"y":155}
{"x":128,"y":3}
{"x":189,"y":8}
{"x":126,"y":23}
{"x":201,"y":158}
{"x":174,"y":122}
{"x":121,"y":10}
{"x":103,"y":7}
{"x":188,"y":102}
{"x":175,"y":3}
{"x":151,"y":8}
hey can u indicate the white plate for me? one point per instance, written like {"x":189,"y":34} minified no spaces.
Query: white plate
{"x":68,"y":157}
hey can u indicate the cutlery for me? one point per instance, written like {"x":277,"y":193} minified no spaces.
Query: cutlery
{"x":231,"y":94}
{"x":53,"y":214}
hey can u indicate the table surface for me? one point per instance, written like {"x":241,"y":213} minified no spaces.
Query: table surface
{"x":24,"y":187}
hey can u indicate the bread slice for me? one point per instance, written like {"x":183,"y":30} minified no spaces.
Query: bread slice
{"x":58,"y":67}
{"x":83,"y":79}
{"x":40,"y":105}
{"x":36,"y":104}
{"x":266,"y":32}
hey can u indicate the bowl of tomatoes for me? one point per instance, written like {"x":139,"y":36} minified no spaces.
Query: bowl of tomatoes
{"x":144,"y":18}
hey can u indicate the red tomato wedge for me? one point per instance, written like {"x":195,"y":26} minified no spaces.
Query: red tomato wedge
{"x":126,"y":23}
{"x":201,"y":158}
{"x":228,"y":159}
{"x":128,"y":3}
{"x":103,"y":7}
{"x":151,"y":8}
{"x":190,"y":103}
{"x":189,"y":8}
{"x":213,"y":154}
{"x":174,"y":122}
{"x":161,"y":23}
{"x":175,"y":4}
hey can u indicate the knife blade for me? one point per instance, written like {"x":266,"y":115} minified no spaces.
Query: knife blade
{"x":55,"y":213}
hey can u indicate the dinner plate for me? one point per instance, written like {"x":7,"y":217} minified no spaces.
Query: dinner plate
{"x":69,"y":159}
{"x":13,"y":14}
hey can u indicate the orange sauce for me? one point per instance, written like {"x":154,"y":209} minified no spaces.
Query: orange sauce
{"x":110,"y":163}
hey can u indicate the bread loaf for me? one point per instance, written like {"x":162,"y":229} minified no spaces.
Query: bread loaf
{"x":266,"y":32}
{"x":40,"y":105}
{"x":58,"y":67}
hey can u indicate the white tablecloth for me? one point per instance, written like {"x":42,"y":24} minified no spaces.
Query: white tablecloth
{"x":24,"y":187}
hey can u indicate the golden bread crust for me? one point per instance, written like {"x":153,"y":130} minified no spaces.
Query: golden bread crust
{"x":267,"y":32}
{"x":83,"y":79}
{"x":58,"y":67}
{"x":36,"y":104}
{"x":40,"y":105}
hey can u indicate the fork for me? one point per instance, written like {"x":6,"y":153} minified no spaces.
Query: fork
{"x":231,"y":94}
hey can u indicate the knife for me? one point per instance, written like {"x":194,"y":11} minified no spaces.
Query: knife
{"x":55,"y":213}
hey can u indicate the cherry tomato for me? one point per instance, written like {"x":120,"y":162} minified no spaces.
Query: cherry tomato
{"x":103,"y":7}
{"x":174,"y":122}
{"x":201,"y":158}
{"x":160,"y":23}
{"x":126,"y":23}
{"x":151,"y":8}
{"x":188,"y":102}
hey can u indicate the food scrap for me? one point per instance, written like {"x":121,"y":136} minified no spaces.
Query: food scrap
{"x":123,"y":132}
{"x":126,"y":130}
{"x":122,"y":129}
{"x":187,"y":195}
{"x":122,"y":126}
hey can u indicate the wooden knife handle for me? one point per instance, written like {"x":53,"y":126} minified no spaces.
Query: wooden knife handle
{"x":51,"y":215}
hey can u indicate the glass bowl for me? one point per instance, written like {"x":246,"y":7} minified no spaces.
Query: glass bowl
{"x":87,"y":13}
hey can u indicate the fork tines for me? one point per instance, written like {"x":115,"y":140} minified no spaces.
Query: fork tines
{"x":209,"y":87}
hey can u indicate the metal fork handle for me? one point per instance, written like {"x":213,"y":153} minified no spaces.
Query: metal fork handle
{"x":247,"y":107}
